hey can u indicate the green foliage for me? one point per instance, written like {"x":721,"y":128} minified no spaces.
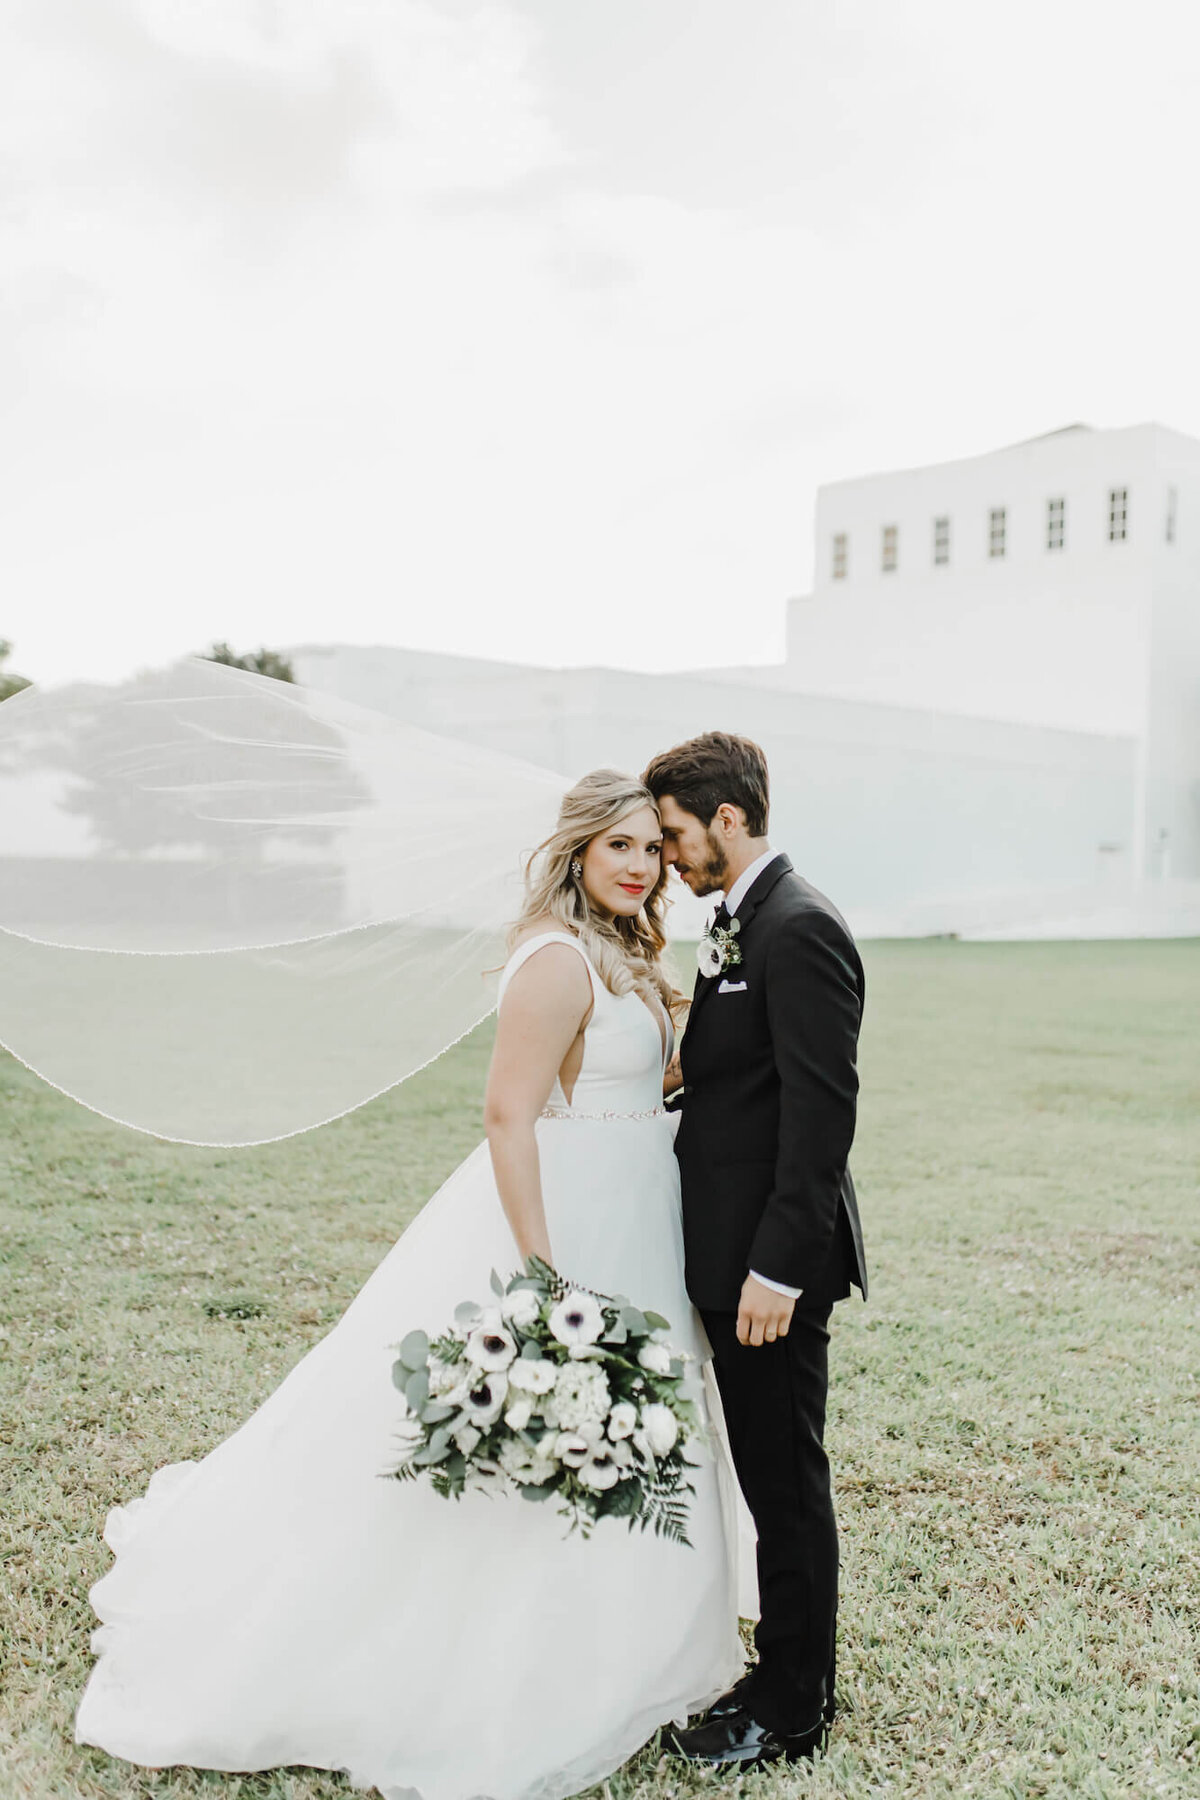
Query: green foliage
{"x":1014,"y":1422}
{"x":10,"y":683}
{"x":259,"y":662}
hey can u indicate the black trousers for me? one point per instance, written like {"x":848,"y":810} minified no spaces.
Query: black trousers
{"x":774,"y":1401}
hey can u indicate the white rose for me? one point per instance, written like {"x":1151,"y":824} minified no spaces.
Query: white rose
{"x":489,"y":1349}
{"x":444,"y":1378}
{"x":622,"y":1420}
{"x":577,"y":1320}
{"x":661,"y":1428}
{"x":525,"y":1466}
{"x":519,"y":1413}
{"x":599,"y":1471}
{"x":466,"y":1437}
{"x":655,"y":1359}
{"x":521,"y":1308}
{"x":533,"y":1377}
{"x":572,"y":1448}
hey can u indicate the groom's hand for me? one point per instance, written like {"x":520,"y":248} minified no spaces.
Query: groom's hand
{"x":763,"y":1315}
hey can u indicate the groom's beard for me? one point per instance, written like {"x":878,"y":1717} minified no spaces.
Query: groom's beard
{"x":713,"y":874}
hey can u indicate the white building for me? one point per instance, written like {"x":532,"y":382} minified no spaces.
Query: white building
{"x":989,"y":717}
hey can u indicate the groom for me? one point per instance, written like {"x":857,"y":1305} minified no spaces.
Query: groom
{"x":770,"y":1221}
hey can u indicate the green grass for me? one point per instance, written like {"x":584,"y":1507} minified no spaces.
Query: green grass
{"x":1014,"y":1422}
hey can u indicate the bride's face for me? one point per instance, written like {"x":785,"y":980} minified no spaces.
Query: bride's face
{"x":622,"y":867}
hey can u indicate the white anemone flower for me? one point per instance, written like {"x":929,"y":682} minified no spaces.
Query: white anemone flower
{"x":661,"y":1428}
{"x":577,"y":1320}
{"x":519,"y":1413}
{"x":533,"y":1377}
{"x":600,"y":1471}
{"x":572,"y":1448}
{"x":485,"y":1477}
{"x":710,"y":958}
{"x":655,"y":1359}
{"x":622,"y":1420}
{"x":521,"y":1308}
{"x":490,"y":1349}
{"x":484,"y":1401}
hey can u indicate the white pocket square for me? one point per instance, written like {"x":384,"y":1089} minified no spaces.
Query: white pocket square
{"x":732,"y":987}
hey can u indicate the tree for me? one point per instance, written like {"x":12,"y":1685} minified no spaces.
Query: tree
{"x":12,"y":684}
{"x":259,"y":662}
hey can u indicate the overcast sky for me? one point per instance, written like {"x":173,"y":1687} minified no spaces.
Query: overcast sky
{"x":529,"y":327}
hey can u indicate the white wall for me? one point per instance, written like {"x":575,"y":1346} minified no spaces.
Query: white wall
{"x":885,"y":808}
{"x":1050,"y":638}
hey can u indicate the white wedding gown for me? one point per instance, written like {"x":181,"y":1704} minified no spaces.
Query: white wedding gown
{"x":279,"y":1603}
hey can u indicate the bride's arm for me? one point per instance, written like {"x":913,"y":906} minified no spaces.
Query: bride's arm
{"x":546,"y":1005}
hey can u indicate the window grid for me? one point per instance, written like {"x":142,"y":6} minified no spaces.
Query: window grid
{"x":1172,"y":514}
{"x":891,"y":548}
{"x":841,"y":555}
{"x":941,"y":541}
{"x":997,"y":531}
{"x":1118,"y":515}
{"x":1056,"y":524}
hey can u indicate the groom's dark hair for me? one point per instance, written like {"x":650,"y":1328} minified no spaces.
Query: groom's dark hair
{"x":713,"y":770}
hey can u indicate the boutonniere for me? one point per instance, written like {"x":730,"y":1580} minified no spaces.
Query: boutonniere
{"x":718,"y":949}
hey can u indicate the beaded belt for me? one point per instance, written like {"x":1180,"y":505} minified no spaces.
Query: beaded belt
{"x":560,"y":1112}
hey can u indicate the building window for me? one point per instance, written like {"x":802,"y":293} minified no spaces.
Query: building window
{"x":1172,"y":513}
{"x":841,"y":555}
{"x":1056,"y":524}
{"x":997,"y":530}
{"x":891,"y":548}
{"x":1118,"y":515}
{"x":941,"y":540}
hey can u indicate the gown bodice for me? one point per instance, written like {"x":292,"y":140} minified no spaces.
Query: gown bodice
{"x":624,"y":1046}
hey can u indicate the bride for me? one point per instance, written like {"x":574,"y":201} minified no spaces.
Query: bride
{"x":278,"y":1603}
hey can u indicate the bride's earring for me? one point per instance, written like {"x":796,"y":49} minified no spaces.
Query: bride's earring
{"x":577,"y":868}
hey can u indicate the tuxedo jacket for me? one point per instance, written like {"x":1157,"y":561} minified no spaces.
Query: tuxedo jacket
{"x":770,"y":1087}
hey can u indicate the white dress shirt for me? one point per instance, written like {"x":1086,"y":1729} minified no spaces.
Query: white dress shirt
{"x":733,"y":900}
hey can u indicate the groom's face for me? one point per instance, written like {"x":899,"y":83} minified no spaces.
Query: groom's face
{"x":692,"y":849}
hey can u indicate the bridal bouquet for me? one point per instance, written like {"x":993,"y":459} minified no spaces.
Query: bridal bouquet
{"x":556,"y":1392}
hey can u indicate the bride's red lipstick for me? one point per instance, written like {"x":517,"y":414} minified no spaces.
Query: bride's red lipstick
{"x":631,"y":887}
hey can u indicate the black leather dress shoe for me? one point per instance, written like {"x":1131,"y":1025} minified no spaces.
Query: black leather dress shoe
{"x":734,"y":1701}
{"x":737,"y":1740}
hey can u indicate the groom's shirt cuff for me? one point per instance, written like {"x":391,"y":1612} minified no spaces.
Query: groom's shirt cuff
{"x":777,"y":1287}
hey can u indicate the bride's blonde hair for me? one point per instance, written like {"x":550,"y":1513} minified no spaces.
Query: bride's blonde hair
{"x":625,"y":952}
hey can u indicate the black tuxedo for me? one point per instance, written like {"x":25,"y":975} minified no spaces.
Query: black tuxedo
{"x":769,"y":1097}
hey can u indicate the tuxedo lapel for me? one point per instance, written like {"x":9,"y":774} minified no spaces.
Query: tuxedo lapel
{"x":770,"y":877}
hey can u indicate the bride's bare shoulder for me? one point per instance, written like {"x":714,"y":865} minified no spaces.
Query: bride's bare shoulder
{"x":538,"y":928}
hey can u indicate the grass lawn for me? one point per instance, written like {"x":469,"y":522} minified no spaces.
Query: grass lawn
{"x":1015,"y":1416}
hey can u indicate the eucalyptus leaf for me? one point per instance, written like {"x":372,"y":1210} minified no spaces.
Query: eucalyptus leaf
{"x":531,"y":1350}
{"x":416,"y":1389}
{"x":401,"y":1375}
{"x":440,"y":1439}
{"x":634,"y":1321}
{"x":414,"y":1350}
{"x":497,"y":1285}
{"x":618,"y":1335}
{"x":656,"y":1322}
{"x":436,"y":1411}
{"x":466,"y":1313}
{"x":428,"y":1455}
{"x":541,"y":1492}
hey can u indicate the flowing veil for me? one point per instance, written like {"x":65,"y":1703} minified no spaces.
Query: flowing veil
{"x":232,"y":908}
